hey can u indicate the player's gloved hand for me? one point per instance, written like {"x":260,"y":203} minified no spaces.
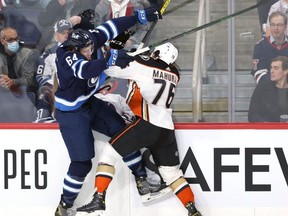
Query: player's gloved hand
{"x":123,"y":59}
{"x":149,"y":14}
{"x":119,"y":41}
{"x":111,"y":56}
{"x":87,"y":14}
{"x":87,"y":20}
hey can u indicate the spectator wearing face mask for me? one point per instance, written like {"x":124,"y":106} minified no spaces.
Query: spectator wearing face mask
{"x":282,"y":6}
{"x":17,"y":64}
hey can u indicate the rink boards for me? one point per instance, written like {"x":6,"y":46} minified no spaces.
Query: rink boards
{"x":233,"y":169}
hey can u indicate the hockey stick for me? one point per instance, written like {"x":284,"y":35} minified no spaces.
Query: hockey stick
{"x":183,"y":4}
{"x":163,"y":8}
{"x":145,"y":49}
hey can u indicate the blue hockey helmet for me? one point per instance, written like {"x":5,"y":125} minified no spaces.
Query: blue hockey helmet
{"x":79,"y":39}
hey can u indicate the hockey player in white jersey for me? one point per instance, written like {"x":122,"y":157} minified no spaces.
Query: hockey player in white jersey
{"x":153,"y":80}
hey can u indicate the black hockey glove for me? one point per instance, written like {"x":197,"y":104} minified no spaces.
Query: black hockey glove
{"x":89,"y":14}
{"x":123,"y":59}
{"x":87,"y":20}
{"x":119,"y":41}
{"x":149,"y":14}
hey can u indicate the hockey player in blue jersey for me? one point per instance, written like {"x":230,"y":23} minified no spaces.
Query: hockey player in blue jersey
{"x":78,"y":112}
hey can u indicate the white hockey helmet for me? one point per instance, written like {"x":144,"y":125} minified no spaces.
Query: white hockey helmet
{"x":166,"y":52}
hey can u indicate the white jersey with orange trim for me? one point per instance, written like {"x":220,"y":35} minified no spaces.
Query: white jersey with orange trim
{"x":151,"y":89}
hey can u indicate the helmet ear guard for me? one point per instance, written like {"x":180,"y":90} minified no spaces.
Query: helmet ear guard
{"x":166,"y":52}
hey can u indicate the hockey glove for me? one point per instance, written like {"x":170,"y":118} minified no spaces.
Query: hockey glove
{"x":148,"y":15}
{"x":87,"y":20}
{"x":119,"y":41}
{"x":123,"y":59}
{"x":89,"y":14}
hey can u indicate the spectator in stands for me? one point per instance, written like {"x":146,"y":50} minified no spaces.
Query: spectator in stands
{"x":108,"y":9}
{"x":46,"y":74}
{"x":20,"y":3}
{"x":63,"y":9}
{"x":281,"y":5}
{"x":17,"y":64}
{"x":270,"y":99}
{"x":270,"y":47}
{"x":263,"y":11}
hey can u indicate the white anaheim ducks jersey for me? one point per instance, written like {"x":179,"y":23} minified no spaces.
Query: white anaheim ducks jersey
{"x":151,"y":89}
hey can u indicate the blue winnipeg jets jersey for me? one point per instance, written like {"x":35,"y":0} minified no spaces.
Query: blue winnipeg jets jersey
{"x":78,"y":78}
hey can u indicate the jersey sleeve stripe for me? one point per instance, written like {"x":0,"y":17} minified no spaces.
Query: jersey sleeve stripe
{"x":77,"y":68}
{"x":105,"y":31}
{"x":109,"y":28}
{"x":113,"y":28}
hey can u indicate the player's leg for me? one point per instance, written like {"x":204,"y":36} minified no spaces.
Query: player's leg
{"x":153,"y":176}
{"x":72,"y":185}
{"x":104,"y":175}
{"x":137,"y":133}
{"x":167,"y":157}
{"x":135,"y":163}
{"x":78,"y":138}
{"x":107,"y":121}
